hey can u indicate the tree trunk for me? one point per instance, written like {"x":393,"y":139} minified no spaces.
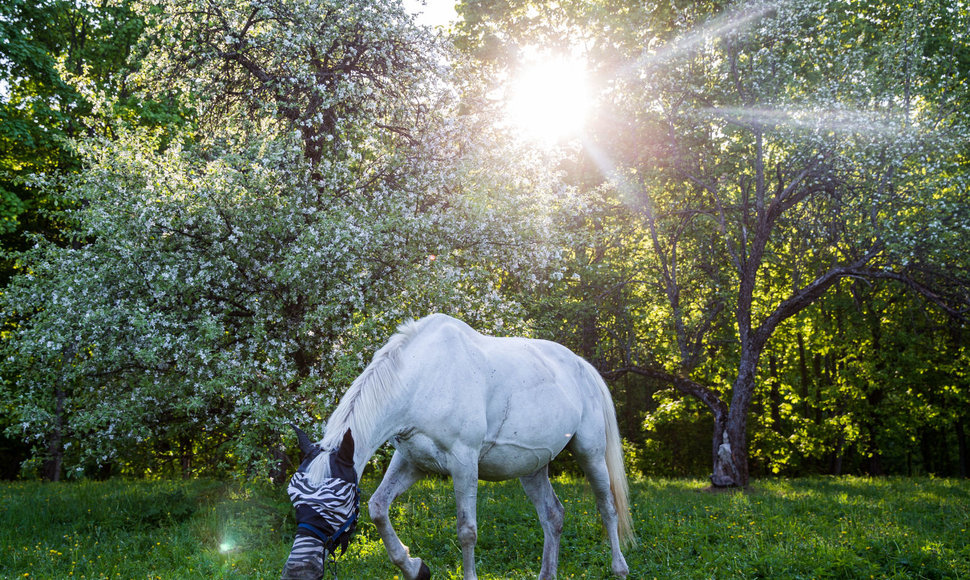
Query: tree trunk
{"x":731,"y":437}
{"x":53,"y":465}
{"x":803,"y":372}
{"x":874,"y":461}
{"x":185,"y":457}
{"x":820,"y":380}
{"x":281,"y":465}
{"x":630,"y":407}
{"x":730,"y":452}
{"x":962,"y":448}
{"x":774,"y":395}
{"x":837,"y":455}
{"x":51,"y":468}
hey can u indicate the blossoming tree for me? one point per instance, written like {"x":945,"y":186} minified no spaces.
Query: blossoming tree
{"x":235,"y":279}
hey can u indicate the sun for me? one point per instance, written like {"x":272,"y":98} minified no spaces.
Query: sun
{"x":549,"y":98}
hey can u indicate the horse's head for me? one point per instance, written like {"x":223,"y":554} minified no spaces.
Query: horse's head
{"x":326,"y":498}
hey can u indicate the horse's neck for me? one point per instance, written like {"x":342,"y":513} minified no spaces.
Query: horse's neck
{"x":367,"y":444}
{"x":372,"y":406}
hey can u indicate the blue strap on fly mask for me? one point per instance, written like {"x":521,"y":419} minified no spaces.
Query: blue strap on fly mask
{"x":330,"y":542}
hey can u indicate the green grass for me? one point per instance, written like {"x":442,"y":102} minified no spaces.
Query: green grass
{"x":803,"y":528}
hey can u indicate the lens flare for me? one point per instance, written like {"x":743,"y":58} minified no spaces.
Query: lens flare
{"x":549,"y":98}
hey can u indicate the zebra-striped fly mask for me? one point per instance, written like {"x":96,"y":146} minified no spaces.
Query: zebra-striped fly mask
{"x":326,"y":511}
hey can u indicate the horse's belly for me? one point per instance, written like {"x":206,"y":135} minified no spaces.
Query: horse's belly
{"x":506,"y":460}
{"x":527,"y":428}
{"x":498,"y":461}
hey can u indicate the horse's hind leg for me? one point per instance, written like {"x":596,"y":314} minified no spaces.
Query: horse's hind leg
{"x":465,"y":481}
{"x":550,"y":511}
{"x":593,"y":462}
{"x":399,"y":477}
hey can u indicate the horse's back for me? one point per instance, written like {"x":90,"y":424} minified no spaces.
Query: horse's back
{"x":518,"y":401}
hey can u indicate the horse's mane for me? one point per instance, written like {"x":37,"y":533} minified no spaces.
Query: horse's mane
{"x":360,"y":407}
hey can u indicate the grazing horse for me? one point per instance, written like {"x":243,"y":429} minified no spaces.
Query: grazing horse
{"x":474,"y":407}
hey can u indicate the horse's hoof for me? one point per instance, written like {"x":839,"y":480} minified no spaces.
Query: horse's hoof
{"x":424,"y":573}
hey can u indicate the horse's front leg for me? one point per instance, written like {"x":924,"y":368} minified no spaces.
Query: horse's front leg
{"x":399,"y":477}
{"x":465,"y":479}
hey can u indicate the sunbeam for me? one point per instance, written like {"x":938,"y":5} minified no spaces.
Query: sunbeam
{"x":628,"y":191}
{"x":740,"y":20}
{"x":842,"y":121}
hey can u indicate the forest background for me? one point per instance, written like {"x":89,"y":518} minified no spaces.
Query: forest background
{"x":213,"y":212}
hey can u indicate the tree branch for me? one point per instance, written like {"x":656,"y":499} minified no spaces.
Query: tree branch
{"x":683,"y":384}
{"x":934,"y":296}
{"x":805,"y":296}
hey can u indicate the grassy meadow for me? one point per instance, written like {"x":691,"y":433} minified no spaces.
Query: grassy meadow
{"x":802,"y":528}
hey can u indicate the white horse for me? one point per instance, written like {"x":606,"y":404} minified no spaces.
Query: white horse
{"x":474,"y":407}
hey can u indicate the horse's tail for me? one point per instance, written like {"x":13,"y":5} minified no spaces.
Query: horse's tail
{"x":614,"y":463}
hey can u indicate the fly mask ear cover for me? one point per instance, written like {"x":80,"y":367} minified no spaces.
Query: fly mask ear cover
{"x":329,"y":511}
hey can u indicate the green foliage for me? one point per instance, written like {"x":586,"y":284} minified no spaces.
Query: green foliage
{"x":752,"y":155}
{"x":806,"y":528}
{"x":863,"y":379}
{"x":59,"y":59}
{"x":676,"y":437}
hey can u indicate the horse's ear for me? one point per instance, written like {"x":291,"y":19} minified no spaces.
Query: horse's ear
{"x":346,"y":450}
{"x":306,"y":445}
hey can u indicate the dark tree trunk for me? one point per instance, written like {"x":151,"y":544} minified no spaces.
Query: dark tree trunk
{"x":281,"y":467}
{"x":874,"y":460}
{"x":774,"y":396}
{"x":803,"y":371}
{"x":723,"y":473}
{"x":962,"y":448}
{"x":932,"y":450}
{"x":835,"y":467}
{"x":730,"y":452}
{"x":820,"y":379}
{"x":185,"y":457}
{"x":630,"y":409}
{"x":51,"y":468}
